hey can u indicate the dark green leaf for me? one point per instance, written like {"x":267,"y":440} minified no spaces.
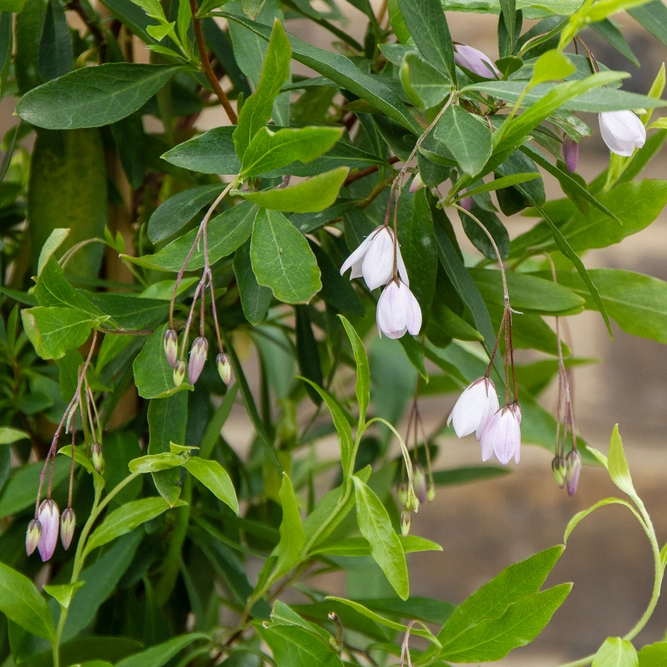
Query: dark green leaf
{"x":215,"y":478}
{"x":363,"y":384}
{"x":210,"y":153}
{"x":53,"y":331}
{"x":93,"y":96}
{"x":157,"y":656}
{"x":653,"y":17}
{"x":255,"y":298}
{"x":425,"y":86}
{"x":292,"y":537}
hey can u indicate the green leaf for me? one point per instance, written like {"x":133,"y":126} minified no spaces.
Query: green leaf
{"x":9,"y":435}
{"x":252,"y":7}
{"x":653,"y":655}
{"x":424,"y":85}
{"x":616,"y":652}
{"x":428,"y":26}
{"x":52,"y":243}
{"x":468,"y":474}
{"x":157,"y":656}
{"x":467,"y":137}
{"x":21,"y":603}
{"x":342,"y":426}
{"x":126,"y":518}
{"x":551,"y":66}
{"x":359,"y":546}
{"x":215,"y":478}
{"x":492,"y":600}
{"x":363,"y":385}
{"x":210,"y":153}
{"x":272,"y":150}
{"x":310,"y":196}
{"x":282,"y":259}
{"x":63,"y":593}
{"x":255,"y":298}
{"x":493,"y":638}
{"x":386,"y":549}
{"x":292,"y":536}
{"x":343,"y":72}
{"x":153,"y":375}
{"x":498,"y":183}
{"x":653,"y":17}
{"x":171,"y":216}
{"x":54,"y":331}
{"x":93,"y":96}
{"x":257,"y":109}
{"x":294,"y":645}
{"x":619,"y":471}
{"x":156,"y":462}
{"x":226,"y":232}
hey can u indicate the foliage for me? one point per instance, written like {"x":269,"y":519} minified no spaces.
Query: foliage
{"x":155,"y":279}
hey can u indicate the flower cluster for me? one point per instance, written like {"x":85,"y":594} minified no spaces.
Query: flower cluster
{"x":378,"y":260}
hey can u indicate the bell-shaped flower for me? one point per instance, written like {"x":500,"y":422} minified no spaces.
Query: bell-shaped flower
{"x":32,"y":536}
{"x":475,"y":61}
{"x":374,"y":259}
{"x":398,"y":311}
{"x":198,"y":354}
{"x":502,"y":435}
{"x":570,"y":154}
{"x":572,"y":471}
{"x":622,"y":131}
{"x":49,"y":518}
{"x":476,"y":405}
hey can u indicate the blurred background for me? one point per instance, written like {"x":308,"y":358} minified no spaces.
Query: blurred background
{"x":485,"y":526}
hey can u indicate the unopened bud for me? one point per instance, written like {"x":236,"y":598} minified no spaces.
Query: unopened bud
{"x":466,"y":203}
{"x":406,"y":522}
{"x":417,"y":183}
{"x":49,"y":518}
{"x":402,"y":493}
{"x":170,"y":342}
{"x":419,"y":481}
{"x":573,"y":469}
{"x":32,"y":536}
{"x":224,"y":367}
{"x":179,"y":373}
{"x":98,"y":457}
{"x":67,"y":525}
{"x":558,"y":468}
{"x":198,"y":354}
{"x":430,"y":491}
{"x":570,"y":154}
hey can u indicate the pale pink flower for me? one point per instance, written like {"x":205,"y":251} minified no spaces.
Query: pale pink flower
{"x":475,"y":61}
{"x":622,"y":131}
{"x":475,"y":406}
{"x":49,"y":519}
{"x":502,"y":435}
{"x":570,"y":154}
{"x":398,"y":311}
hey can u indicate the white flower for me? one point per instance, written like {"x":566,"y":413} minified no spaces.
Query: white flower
{"x":49,"y":519}
{"x":398,"y":311}
{"x":477,"y":403}
{"x":502,"y":435}
{"x":475,"y":61}
{"x":622,"y":131}
{"x":374,"y":259}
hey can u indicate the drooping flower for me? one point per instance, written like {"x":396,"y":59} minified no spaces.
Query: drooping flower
{"x":49,"y":518}
{"x":198,"y":354}
{"x":622,"y":131}
{"x":67,"y":525}
{"x":502,"y":435}
{"x":572,"y":471}
{"x":398,"y":311}
{"x":475,"y":61}
{"x":170,"y":342}
{"x":374,"y":259}
{"x":476,"y":405}
{"x":570,"y":154}
{"x":32,"y":536}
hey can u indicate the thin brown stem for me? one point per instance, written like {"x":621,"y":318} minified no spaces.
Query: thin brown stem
{"x":368,"y":171}
{"x":206,"y":64}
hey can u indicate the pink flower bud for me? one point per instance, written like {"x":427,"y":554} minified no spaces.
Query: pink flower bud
{"x":49,"y":518}
{"x":97,"y":457}
{"x":572,"y":471}
{"x":170,"y":342}
{"x":419,"y":481}
{"x":224,"y":367}
{"x":622,"y":131}
{"x":198,"y":354}
{"x":406,"y":522}
{"x":67,"y":525}
{"x":476,"y":405}
{"x":32,"y":536}
{"x":179,"y":373}
{"x":398,"y":311}
{"x":374,"y":259}
{"x":466,"y":203}
{"x":417,"y":183}
{"x":475,"y":61}
{"x":502,"y":435}
{"x":570,"y":154}
{"x":559,"y":470}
